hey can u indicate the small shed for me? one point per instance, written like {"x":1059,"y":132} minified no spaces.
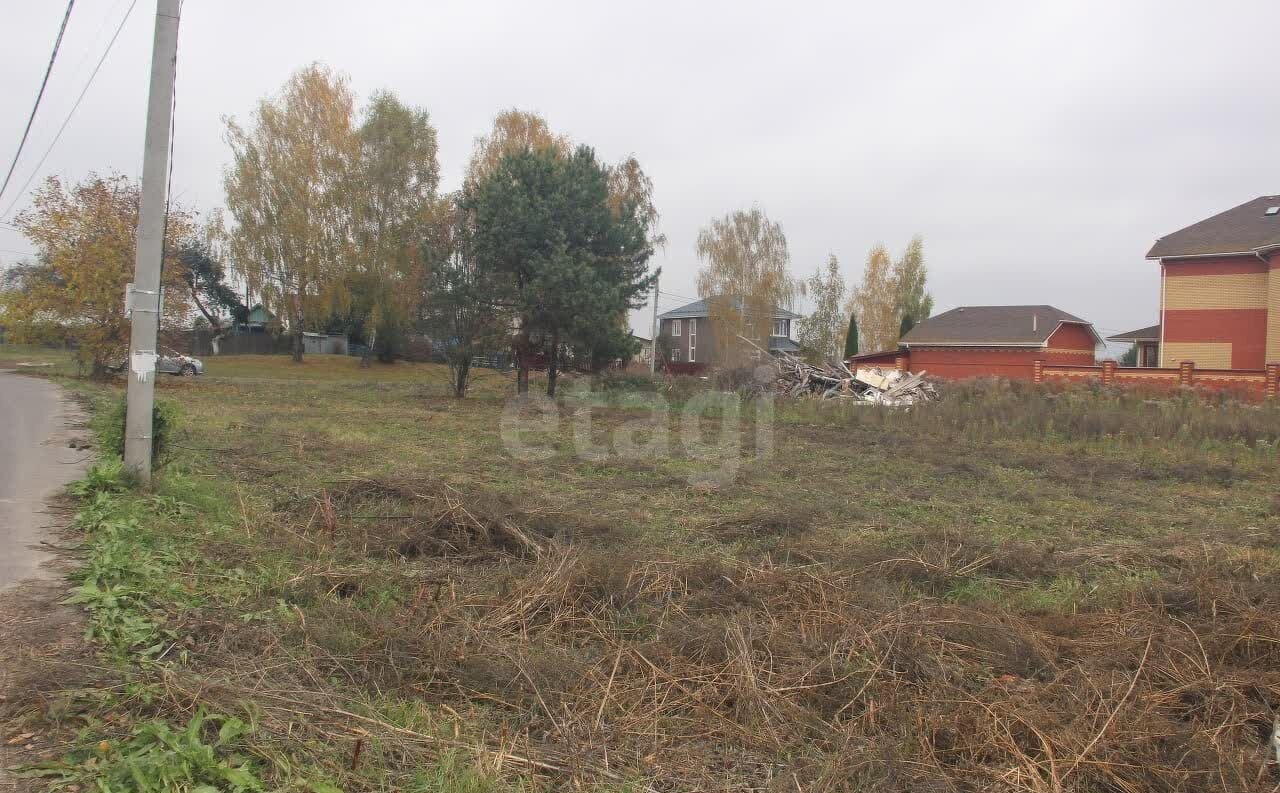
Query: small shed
{"x":324,"y":343}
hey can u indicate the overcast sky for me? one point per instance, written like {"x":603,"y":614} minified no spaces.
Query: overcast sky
{"x":1039,"y":148}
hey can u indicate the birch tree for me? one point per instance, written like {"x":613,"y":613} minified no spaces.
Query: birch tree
{"x":745,"y":279}
{"x":874,"y":302}
{"x":513,"y":131}
{"x":823,"y":331}
{"x":912,"y":302}
{"x":286,"y":190}
{"x":393,"y":192}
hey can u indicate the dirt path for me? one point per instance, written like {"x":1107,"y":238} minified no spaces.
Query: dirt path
{"x":41,"y":440}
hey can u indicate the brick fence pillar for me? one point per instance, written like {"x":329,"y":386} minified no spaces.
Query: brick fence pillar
{"x":1108,"y":371}
{"x":1273,"y":380}
{"x":1187,"y":373}
{"x":1037,"y":372}
{"x":900,"y":363}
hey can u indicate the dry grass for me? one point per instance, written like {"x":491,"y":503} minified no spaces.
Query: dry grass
{"x":1002,"y":594}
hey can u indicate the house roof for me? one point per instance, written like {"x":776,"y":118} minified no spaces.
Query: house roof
{"x":782,"y":344}
{"x":1241,"y":230}
{"x":698,"y":308}
{"x":978,"y":326}
{"x":1141,"y":334}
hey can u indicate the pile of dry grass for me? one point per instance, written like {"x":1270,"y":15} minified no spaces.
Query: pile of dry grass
{"x":857,"y":672}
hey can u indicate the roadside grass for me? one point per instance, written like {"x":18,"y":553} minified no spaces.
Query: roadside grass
{"x":1009,"y":589}
{"x":62,"y":361}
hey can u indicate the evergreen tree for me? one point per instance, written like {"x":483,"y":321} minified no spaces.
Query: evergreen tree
{"x":566,"y":265}
{"x":851,"y":337}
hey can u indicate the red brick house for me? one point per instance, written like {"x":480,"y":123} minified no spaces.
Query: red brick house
{"x":690,"y":334}
{"x":983,"y":341}
{"x":1219,"y":290}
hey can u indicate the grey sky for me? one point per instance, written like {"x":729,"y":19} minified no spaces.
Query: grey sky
{"x":1039,"y":148}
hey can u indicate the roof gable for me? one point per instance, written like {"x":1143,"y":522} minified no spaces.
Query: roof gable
{"x":976,"y":326}
{"x":1240,"y":230}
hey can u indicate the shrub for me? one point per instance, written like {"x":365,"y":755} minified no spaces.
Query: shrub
{"x":628,"y":381}
{"x":111,"y":430}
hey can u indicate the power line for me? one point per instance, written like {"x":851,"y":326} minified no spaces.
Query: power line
{"x":8,"y":211}
{"x":39,"y":95}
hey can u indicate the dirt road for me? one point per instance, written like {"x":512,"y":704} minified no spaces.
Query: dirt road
{"x":36,"y":462}
{"x":39,"y":637}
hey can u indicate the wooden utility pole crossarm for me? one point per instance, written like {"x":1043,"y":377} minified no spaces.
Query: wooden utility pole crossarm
{"x":145,"y":290}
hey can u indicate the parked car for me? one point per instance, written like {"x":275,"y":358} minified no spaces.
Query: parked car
{"x":169,"y":362}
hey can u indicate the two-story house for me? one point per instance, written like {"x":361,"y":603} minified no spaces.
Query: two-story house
{"x":1219,"y":290}
{"x":691,"y":333}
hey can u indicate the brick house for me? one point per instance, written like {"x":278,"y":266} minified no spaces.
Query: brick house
{"x":985,"y":341}
{"x":691,"y":335}
{"x":1219,"y":290}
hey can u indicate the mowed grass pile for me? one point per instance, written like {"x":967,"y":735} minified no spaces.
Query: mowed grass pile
{"x":1010,"y":589}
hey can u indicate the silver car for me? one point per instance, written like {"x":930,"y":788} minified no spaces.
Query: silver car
{"x":171,"y":362}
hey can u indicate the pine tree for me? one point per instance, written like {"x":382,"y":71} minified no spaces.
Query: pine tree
{"x":851,"y":337}
{"x":566,"y":264}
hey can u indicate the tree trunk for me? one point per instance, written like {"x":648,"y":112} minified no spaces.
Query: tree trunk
{"x":522,"y":363}
{"x":367,"y":357}
{"x":553,"y":364}
{"x":461,"y":371}
{"x":297,"y":328}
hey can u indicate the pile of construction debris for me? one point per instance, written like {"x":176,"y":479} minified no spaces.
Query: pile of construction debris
{"x":873,"y":386}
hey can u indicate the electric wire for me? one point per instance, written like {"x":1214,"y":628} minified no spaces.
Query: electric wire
{"x":57,"y":44}
{"x":8,"y":211}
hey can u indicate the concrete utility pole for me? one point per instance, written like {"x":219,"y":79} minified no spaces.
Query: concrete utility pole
{"x":144,"y":297}
{"x":653,"y":332}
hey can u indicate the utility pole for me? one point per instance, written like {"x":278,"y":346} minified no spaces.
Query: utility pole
{"x":144,"y":297}
{"x":653,"y":332}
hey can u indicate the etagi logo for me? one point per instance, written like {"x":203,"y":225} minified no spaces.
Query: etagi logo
{"x":709,"y":427}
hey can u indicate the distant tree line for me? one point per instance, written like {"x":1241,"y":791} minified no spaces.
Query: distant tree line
{"x":335,"y":221}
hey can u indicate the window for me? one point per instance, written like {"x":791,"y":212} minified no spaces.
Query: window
{"x":780,"y":328}
{"x":675,"y":327}
{"x":675,"y":355}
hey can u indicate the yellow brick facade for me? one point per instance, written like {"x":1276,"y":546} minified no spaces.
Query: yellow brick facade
{"x":1207,"y":355}
{"x":1273,"y":314}
{"x":1234,"y":291}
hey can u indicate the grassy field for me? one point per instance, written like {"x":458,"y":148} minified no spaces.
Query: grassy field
{"x":1009,"y":589}
{"x":31,"y":357}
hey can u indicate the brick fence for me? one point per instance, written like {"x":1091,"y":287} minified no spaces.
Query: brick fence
{"x":1250,"y":382}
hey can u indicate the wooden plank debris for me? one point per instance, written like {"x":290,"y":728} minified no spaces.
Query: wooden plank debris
{"x":798,"y":378}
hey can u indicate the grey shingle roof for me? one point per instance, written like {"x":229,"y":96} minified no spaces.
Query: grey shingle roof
{"x":1029,"y":326}
{"x":698,"y":308}
{"x":782,"y":344}
{"x":1141,"y":334}
{"x":1243,"y":229}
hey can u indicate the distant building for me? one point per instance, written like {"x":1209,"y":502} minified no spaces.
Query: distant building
{"x":691,"y":333}
{"x":1147,"y":342}
{"x":1219,"y":289}
{"x":981,"y":341}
